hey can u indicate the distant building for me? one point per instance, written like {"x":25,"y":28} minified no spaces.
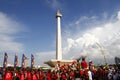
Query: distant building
{"x":117,"y":60}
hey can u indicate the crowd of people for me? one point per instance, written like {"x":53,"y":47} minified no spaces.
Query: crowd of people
{"x":79,"y":70}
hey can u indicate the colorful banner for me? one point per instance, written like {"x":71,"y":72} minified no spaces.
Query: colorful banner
{"x":23,"y":61}
{"x":5,"y":60}
{"x":15,"y":61}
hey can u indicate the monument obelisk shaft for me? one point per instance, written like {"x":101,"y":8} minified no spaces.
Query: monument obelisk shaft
{"x":54,"y":62}
{"x":58,"y":37}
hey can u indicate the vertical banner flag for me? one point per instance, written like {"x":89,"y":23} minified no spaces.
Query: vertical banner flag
{"x":5,"y":60}
{"x":32,"y":60}
{"x":23,"y":60}
{"x":5,"y":63}
{"x":15,"y":61}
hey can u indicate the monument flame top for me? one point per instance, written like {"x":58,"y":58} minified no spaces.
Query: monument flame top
{"x":58,"y":14}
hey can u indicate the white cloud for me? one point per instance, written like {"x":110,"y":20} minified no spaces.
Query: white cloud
{"x":42,"y":57}
{"x":54,"y":4}
{"x":8,"y":31}
{"x":83,"y":41}
{"x":118,"y":16}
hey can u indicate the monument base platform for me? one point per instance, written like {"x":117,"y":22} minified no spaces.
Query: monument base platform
{"x":53,"y":62}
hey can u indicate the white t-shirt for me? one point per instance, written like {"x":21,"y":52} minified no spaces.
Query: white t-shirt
{"x":109,"y":75}
{"x":90,"y":75}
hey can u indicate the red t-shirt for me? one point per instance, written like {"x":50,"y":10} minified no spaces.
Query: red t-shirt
{"x":22,"y":77}
{"x":63,"y":76}
{"x":8,"y":76}
{"x":34,"y":77}
{"x":29,"y":76}
{"x":84,"y":64}
{"x":81,"y":73}
{"x":48,"y":78}
{"x":103,"y":73}
{"x":72,"y":74}
{"x":18,"y":75}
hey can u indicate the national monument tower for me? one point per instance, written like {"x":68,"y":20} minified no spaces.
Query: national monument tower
{"x":58,"y":37}
{"x":53,"y":62}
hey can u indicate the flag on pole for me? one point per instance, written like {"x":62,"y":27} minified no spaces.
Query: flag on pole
{"x":32,"y":60}
{"x":5,"y":60}
{"x":23,"y":60}
{"x":15,"y":61}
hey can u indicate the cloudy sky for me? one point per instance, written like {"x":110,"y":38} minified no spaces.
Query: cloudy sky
{"x":88,"y":28}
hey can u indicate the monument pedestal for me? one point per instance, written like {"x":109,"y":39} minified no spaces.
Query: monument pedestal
{"x":53,"y":62}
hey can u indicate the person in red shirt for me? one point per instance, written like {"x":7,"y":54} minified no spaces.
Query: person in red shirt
{"x":25,"y":73}
{"x":29,"y":75}
{"x":16,"y":75}
{"x":38,"y":74}
{"x":103,"y":74}
{"x":72,"y":75}
{"x":49,"y":75}
{"x":8,"y":75}
{"x":53,"y":75}
{"x":81,"y":74}
{"x":84,"y":64}
{"x":22,"y":74}
{"x":85,"y":75}
{"x":63,"y":76}
{"x":34,"y":76}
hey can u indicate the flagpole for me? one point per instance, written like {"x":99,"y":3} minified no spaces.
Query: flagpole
{"x":15,"y":61}
{"x":32,"y":61}
{"x":5,"y":63}
{"x":23,"y":61}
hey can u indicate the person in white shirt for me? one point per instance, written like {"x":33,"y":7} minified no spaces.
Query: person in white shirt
{"x":90,"y":75}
